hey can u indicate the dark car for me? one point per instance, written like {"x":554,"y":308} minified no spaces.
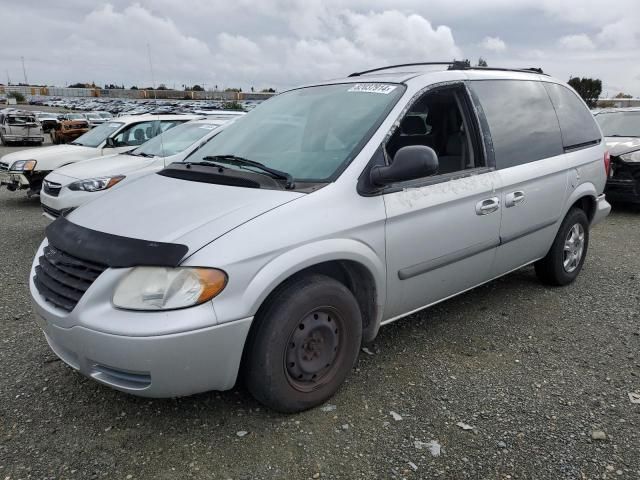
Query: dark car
{"x":49,"y":121}
{"x":621,"y":128}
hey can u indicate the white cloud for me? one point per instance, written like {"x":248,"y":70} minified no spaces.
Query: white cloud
{"x":283,"y":43}
{"x":494,"y":44}
{"x":576,"y":42}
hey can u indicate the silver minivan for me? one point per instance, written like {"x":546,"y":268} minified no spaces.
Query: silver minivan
{"x":282,"y":245}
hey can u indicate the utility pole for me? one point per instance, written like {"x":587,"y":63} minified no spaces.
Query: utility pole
{"x":24,"y":71}
{"x":8,"y":78}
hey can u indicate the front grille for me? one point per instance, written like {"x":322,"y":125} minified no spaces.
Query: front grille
{"x":52,"y":188}
{"x":62,"y":279}
{"x":51,"y":211}
{"x":4,"y":166}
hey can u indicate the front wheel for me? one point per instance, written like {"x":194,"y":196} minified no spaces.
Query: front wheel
{"x":304,"y":345}
{"x":564,"y":261}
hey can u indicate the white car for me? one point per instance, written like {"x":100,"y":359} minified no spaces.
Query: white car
{"x":68,"y":187}
{"x":26,"y":169}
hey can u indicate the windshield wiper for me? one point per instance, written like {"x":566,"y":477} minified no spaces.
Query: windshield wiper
{"x":75,"y":143}
{"x":622,"y":136}
{"x":244,"y":162}
{"x":139,"y":154}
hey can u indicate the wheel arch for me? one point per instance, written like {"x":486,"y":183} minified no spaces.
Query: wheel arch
{"x":350,"y":262}
{"x":583,"y":197}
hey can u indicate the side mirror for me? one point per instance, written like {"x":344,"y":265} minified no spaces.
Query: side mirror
{"x":409,"y":163}
{"x":110,"y":142}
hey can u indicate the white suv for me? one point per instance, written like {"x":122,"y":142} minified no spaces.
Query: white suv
{"x":26,"y":169}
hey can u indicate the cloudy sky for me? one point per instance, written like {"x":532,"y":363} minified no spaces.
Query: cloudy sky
{"x":283,"y":43}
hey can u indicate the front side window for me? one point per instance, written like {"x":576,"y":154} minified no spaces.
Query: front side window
{"x":619,"y":124}
{"x":310,"y":133}
{"x":135,"y":134}
{"x":96,"y":136}
{"x":437,"y":120}
{"x":523,"y":124}
{"x":576,"y":122}
{"x":175,"y":140}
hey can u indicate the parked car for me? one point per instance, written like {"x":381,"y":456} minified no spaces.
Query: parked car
{"x":49,"y":121}
{"x":68,"y":187}
{"x":95,"y":119}
{"x":27,"y":168}
{"x":68,"y":130}
{"x":621,"y":128}
{"x":19,"y":126}
{"x":287,"y":240}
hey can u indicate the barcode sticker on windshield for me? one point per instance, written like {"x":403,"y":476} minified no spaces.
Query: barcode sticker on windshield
{"x":373,"y":88}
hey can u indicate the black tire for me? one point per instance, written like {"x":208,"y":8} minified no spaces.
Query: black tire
{"x":304,"y":344}
{"x":551,"y":269}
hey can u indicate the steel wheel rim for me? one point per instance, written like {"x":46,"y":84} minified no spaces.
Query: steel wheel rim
{"x":314,"y":349}
{"x":573,"y":248}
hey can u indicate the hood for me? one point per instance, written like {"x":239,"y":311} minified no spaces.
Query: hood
{"x":621,"y":145}
{"x":54,"y":154}
{"x":164,"y":209}
{"x":106,"y":166}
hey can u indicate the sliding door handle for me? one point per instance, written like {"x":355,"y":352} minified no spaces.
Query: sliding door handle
{"x":514,"y":198}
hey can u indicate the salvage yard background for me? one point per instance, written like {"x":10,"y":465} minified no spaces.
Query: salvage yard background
{"x":511,"y":380}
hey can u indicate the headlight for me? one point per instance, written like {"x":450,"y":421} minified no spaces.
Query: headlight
{"x":631,"y":156}
{"x":23,"y":165}
{"x":161,"y":288}
{"x":95,"y":184}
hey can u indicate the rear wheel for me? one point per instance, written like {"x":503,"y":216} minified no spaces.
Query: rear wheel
{"x":304,"y":345}
{"x":564,"y":261}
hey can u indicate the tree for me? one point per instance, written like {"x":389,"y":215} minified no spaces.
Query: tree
{"x":482,"y":62}
{"x":268,"y":90}
{"x":162,"y":86}
{"x":197,"y":88}
{"x":623,"y":95}
{"x":78,"y":85}
{"x":17,"y":95}
{"x":133,"y":87}
{"x":588,"y":88}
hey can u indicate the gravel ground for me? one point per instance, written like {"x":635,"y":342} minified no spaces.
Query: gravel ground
{"x":532,"y":371}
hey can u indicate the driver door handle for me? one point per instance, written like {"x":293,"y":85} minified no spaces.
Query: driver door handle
{"x":514,"y":198}
{"x":487,"y":206}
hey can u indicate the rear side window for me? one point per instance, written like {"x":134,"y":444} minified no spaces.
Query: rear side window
{"x":523,"y":124}
{"x":578,"y":126}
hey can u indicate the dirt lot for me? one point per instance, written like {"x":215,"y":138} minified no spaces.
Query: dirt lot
{"x":534,"y":371}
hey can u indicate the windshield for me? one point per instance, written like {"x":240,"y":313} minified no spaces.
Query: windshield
{"x":309,"y":133}
{"x":175,"y":140}
{"x":75,"y":116}
{"x":96,"y":136}
{"x":93,"y":116}
{"x":619,"y":124}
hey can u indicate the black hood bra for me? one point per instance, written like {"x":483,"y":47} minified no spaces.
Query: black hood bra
{"x":112,"y":250}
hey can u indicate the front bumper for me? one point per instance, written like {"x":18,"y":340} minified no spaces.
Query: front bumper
{"x":66,"y":200}
{"x":14,"y":180}
{"x":158,"y":366}
{"x":603,"y":208}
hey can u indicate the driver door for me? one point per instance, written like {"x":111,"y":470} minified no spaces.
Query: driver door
{"x":442,"y":231}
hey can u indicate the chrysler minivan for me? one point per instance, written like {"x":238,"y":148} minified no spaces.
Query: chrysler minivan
{"x":285,"y":243}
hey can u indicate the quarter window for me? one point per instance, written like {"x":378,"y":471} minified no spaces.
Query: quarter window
{"x":523,"y":124}
{"x":576,"y":121}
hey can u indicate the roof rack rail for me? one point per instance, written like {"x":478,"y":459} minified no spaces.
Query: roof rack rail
{"x":464,"y":66}
{"x":357,"y":74}
{"x":455,"y":65}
